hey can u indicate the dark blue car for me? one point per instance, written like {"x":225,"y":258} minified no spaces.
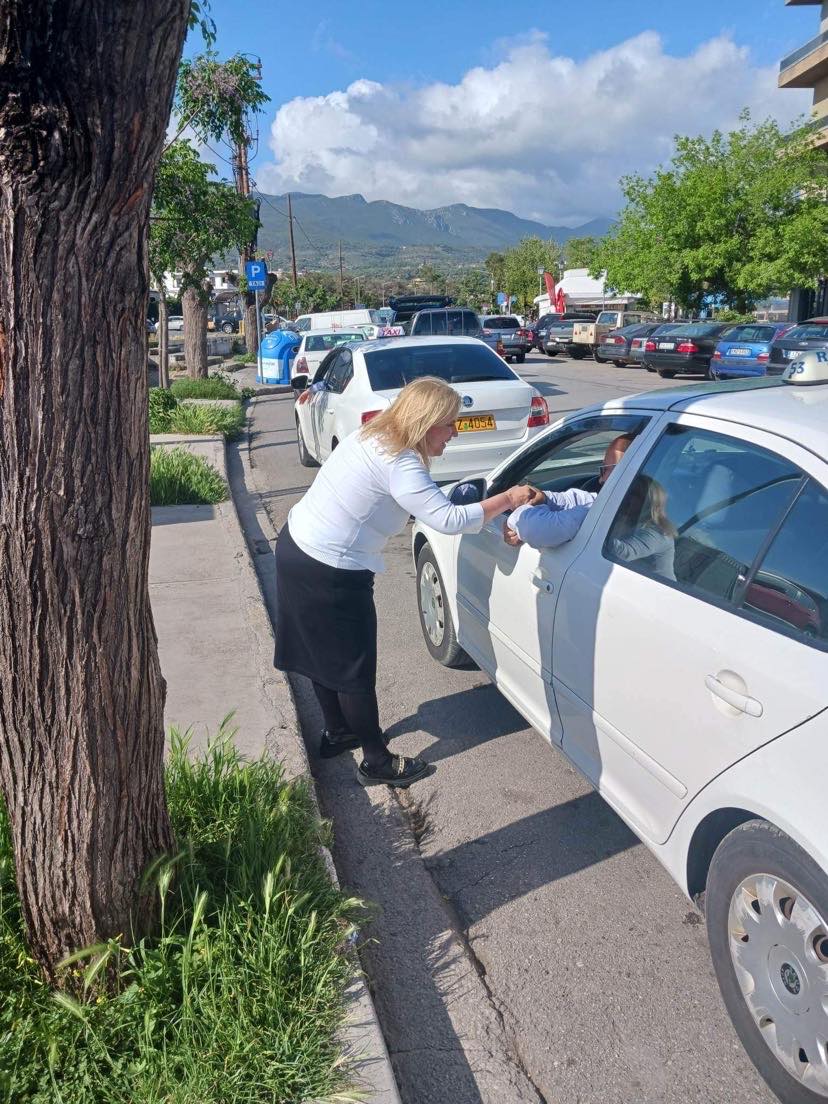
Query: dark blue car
{"x":745,"y":350}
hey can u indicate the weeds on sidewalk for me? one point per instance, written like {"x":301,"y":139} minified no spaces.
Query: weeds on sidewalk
{"x":167,"y":415}
{"x":239,"y":997}
{"x":179,"y":478}
{"x":214,"y":387}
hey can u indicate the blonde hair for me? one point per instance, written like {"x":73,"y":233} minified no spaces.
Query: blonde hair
{"x":419,"y":407}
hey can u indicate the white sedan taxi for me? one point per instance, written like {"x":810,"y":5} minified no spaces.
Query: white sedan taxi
{"x":499,"y":411}
{"x":315,"y":346}
{"x":690,"y":687}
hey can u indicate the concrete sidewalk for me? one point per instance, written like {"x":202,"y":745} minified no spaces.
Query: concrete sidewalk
{"x":215,"y":643}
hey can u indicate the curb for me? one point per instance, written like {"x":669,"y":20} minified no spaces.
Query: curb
{"x":362,"y":1038}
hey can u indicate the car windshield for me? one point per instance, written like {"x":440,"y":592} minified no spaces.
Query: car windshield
{"x":317,"y":343}
{"x":813,"y":331}
{"x":751,"y":333}
{"x":389,"y":368}
{"x":498,"y":322}
{"x":610,"y":317}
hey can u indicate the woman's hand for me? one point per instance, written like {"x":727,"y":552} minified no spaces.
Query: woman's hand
{"x":524,"y":495}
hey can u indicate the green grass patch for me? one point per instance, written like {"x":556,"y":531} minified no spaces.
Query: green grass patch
{"x":167,"y":415}
{"x":238,"y":999}
{"x":214,"y":387}
{"x":246,"y":358}
{"x":179,"y":478}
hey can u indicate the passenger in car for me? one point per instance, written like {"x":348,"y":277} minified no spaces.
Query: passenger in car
{"x":557,"y":520}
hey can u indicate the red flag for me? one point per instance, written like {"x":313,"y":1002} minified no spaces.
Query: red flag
{"x":550,"y":288}
{"x":560,"y":301}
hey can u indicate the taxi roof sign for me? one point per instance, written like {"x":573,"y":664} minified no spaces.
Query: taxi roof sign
{"x":809,"y":368}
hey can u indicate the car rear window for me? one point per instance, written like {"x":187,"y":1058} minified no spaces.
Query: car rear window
{"x":808,"y":332}
{"x":751,"y":333}
{"x":389,"y":368}
{"x":496,"y":322}
{"x":317,"y":343}
{"x":699,"y":329}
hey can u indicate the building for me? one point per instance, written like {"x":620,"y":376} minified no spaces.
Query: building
{"x":582,"y":290}
{"x":807,"y":67}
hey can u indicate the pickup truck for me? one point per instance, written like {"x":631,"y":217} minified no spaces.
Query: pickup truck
{"x":586,"y":336}
{"x":558,"y":336}
{"x":516,"y":341}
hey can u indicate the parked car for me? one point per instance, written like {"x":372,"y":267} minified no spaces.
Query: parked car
{"x":406,"y":306}
{"x":507,"y":329}
{"x":175,"y":322}
{"x":687,"y":349}
{"x":559,"y":334}
{"x":617,"y":344}
{"x":315,"y":346}
{"x":336,"y":320}
{"x":693,"y":700}
{"x":152,"y":326}
{"x":587,"y":335}
{"x":804,"y":336}
{"x":499,"y":410}
{"x":745,"y":350}
{"x":451,"y":322}
{"x":228,"y":323}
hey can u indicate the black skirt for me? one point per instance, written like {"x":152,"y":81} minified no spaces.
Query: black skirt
{"x":326,"y":623}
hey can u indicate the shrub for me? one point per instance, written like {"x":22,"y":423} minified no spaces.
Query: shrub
{"x":205,"y":419}
{"x":240,"y":994}
{"x":214,"y":387}
{"x":161,"y":402}
{"x":178,"y":478}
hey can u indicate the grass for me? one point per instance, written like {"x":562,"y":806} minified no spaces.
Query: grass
{"x":167,"y":415}
{"x":214,"y":387}
{"x":179,"y":478}
{"x":246,"y":358}
{"x":237,"y":1000}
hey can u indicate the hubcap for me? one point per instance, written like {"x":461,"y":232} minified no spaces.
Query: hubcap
{"x":431,"y":604}
{"x":779,"y":947}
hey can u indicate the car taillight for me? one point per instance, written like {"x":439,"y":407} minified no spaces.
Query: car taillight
{"x":650,"y":347}
{"x":301,"y":365}
{"x":717,"y":355}
{"x":637,"y":342}
{"x":763,"y":356}
{"x":367,"y":415}
{"x":485,"y":331}
{"x":523,"y":333}
{"x":687,"y":347}
{"x":538,"y":412}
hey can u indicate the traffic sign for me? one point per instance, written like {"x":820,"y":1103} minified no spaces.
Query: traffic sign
{"x":256,"y":273}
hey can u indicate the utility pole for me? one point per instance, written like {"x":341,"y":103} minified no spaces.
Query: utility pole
{"x":292,"y":247}
{"x":248,"y":252}
{"x":341,"y":298}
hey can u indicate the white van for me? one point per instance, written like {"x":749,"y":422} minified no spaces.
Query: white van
{"x":337,"y":320}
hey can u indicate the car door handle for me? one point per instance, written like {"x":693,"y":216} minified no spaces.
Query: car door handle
{"x":543,"y":584}
{"x":742,"y":702}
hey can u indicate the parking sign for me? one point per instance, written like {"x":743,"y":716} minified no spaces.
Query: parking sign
{"x":256,"y":273}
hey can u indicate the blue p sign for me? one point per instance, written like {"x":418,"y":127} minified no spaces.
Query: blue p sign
{"x":256,"y":273}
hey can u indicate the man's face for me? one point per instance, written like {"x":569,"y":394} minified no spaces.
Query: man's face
{"x":615,"y":450}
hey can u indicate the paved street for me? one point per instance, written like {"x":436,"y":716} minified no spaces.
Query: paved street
{"x":528,"y":947}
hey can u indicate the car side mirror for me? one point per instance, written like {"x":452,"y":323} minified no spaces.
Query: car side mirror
{"x":299,"y":382}
{"x":468,"y":492}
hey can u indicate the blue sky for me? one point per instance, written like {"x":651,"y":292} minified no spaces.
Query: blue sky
{"x":494,"y":105}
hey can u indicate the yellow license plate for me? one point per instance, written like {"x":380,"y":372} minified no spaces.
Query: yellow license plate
{"x":474,"y":422}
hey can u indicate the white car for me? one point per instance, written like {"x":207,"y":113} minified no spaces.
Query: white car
{"x":175,"y":322}
{"x":315,"y":346}
{"x":499,"y":411}
{"x":690,"y":688}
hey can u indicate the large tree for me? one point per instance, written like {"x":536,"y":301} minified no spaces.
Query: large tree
{"x":194,"y":219}
{"x":522,"y":264}
{"x":85,"y":93}
{"x":732,"y":218}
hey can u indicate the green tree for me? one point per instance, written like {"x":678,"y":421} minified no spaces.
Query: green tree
{"x":194,"y":219}
{"x":581,"y":252}
{"x":733,"y":218}
{"x":522,"y":264}
{"x":313,"y":292}
{"x":495,"y":265}
{"x":472,"y":289}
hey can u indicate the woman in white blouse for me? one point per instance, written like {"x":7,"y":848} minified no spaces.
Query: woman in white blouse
{"x":332,"y":545}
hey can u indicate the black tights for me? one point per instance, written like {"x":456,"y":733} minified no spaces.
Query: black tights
{"x":357,"y":713}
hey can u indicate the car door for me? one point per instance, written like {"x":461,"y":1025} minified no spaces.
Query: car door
{"x":337,"y":375}
{"x":506,"y":596}
{"x":672,"y":657}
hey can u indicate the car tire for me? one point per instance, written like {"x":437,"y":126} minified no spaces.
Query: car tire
{"x":790,"y":932}
{"x":521,"y":358}
{"x":666,"y":373}
{"x":227,"y":327}
{"x":620,"y":363}
{"x":305,"y":458}
{"x":435,"y":617}
{"x":552,"y":352}
{"x":649,"y":367}
{"x":577,"y":354}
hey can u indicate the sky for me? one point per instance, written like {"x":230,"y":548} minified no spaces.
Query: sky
{"x":535,"y":108}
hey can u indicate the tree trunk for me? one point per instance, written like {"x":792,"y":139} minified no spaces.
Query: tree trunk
{"x":194,"y":309}
{"x":250,"y":322}
{"x":163,"y":340}
{"x":85,"y":94}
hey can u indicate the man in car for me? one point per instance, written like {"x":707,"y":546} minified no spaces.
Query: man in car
{"x":558,"y":515}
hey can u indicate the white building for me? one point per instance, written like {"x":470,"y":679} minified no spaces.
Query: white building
{"x":581,"y":290}
{"x":222,"y":279}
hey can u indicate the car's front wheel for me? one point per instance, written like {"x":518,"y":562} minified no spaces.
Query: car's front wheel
{"x":767,"y":923}
{"x":305,"y":458}
{"x":435,"y":616}
{"x":227,"y":327}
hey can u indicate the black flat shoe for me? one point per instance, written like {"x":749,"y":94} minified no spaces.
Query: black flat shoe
{"x":332,"y":744}
{"x":398,"y":771}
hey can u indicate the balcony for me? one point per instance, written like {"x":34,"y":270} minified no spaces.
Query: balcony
{"x":804,"y":67}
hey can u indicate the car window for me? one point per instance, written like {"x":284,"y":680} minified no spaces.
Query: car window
{"x":789,"y":590}
{"x":340,"y":372}
{"x":501,"y":322}
{"x":463,"y":323}
{"x":570,"y":456}
{"x":707,"y":503}
{"x":805,"y":332}
{"x":751,"y":333}
{"x":608,"y":317}
{"x":391,"y":368}
{"x":438,"y":323}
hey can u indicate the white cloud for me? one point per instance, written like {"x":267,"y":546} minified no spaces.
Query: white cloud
{"x":538,"y":134}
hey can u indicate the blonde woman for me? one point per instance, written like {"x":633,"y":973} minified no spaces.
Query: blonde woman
{"x":332,"y":545}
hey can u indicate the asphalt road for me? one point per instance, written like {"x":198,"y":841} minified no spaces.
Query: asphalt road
{"x":525,"y":946}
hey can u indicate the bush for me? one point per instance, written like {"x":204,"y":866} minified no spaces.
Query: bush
{"x":240,"y":995}
{"x":214,"y":387}
{"x":205,"y":419}
{"x":178,"y":478}
{"x":161,"y":402}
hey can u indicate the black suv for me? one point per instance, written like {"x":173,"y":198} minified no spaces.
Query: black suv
{"x":227,"y":323}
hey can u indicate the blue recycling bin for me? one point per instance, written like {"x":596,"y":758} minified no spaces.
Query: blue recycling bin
{"x":277,"y":351}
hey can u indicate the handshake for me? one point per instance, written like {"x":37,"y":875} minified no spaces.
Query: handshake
{"x":525,"y":495}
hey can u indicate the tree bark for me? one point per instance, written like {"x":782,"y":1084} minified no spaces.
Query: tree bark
{"x":194,"y":309}
{"x":250,"y":322}
{"x":85,"y":94}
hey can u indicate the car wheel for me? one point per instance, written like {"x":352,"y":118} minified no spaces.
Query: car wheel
{"x":520,"y":358}
{"x":305,"y":458}
{"x":666,"y":373}
{"x":227,"y":327}
{"x":767,"y":923}
{"x":435,"y":617}
{"x":620,"y":363}
{"x":649,"y":367}
{"x":577,"y":354}
{"x":552,"y":352}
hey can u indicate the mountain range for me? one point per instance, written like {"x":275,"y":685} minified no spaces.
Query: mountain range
{"x":386,"y":237}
